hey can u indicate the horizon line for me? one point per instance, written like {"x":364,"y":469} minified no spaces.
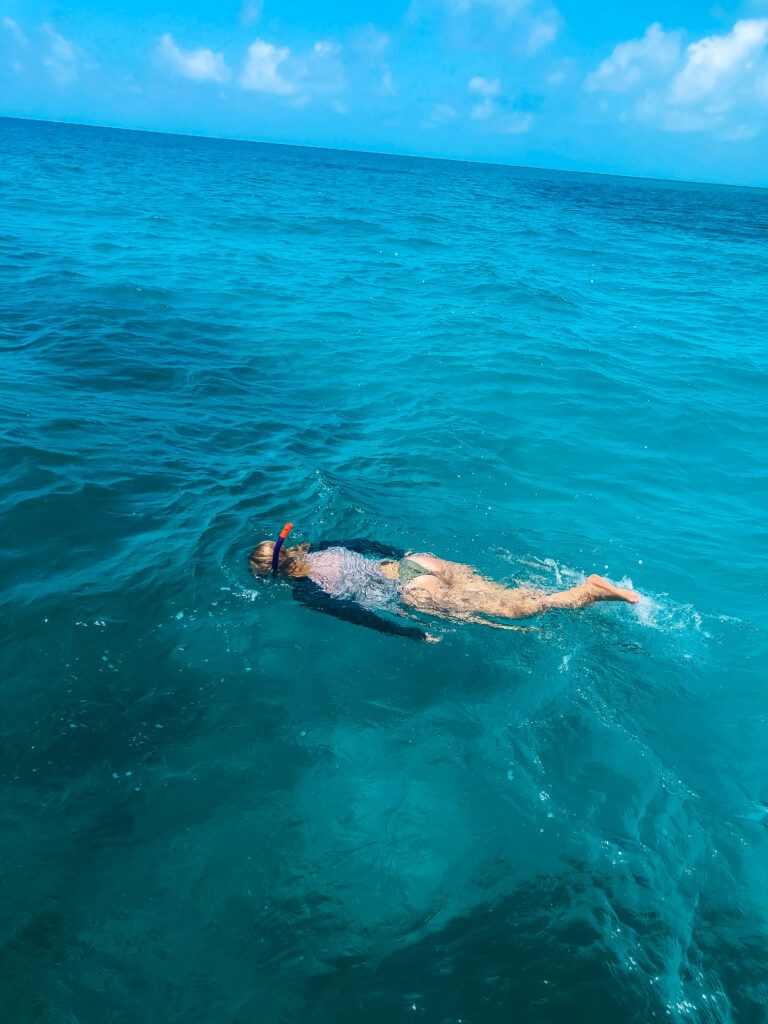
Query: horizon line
{"x":374,"y":152}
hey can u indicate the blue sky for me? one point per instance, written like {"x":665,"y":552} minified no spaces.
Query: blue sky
{"x":652,"y":89}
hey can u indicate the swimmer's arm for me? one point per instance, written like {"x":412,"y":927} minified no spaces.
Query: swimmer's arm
{"x":309,"y":593}
{"x":498,"y":625}
{"x":363,"y":546}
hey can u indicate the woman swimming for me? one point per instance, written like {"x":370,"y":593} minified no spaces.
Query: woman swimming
{"x":349,"y":579}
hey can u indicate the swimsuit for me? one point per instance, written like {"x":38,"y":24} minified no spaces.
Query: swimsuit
{"x":408,"y":570}
{"x":350,"y":576}
{"x":346,"y":581}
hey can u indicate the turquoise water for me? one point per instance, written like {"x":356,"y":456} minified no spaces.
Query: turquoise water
{"x":221,"y":806}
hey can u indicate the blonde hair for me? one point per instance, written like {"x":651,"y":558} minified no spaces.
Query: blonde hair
{"x":290,"y":561}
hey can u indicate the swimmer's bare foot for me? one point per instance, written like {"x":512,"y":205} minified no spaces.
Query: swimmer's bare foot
{"x":605,"y":591}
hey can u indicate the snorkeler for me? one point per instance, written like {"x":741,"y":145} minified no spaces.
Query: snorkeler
{"x":349,"y":579}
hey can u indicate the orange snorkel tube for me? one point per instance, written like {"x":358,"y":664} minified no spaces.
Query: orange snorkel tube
{"x":283,"y":534}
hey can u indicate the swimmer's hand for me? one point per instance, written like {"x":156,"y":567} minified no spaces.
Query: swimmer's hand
{"x":432,"y":639}
{"x":502,"y":625}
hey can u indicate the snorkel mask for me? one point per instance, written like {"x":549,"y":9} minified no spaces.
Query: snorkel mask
{"x":276,"y":553}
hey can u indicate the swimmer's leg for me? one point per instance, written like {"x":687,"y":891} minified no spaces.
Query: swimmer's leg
{"x":474,"y":596}
{"x":596,"y":588}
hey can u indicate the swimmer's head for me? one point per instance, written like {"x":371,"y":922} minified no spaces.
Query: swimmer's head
{"x":290,"y":561}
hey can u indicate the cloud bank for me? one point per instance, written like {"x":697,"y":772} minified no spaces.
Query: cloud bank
{"x":716,"y":82}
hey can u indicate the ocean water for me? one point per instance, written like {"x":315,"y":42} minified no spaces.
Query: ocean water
{"x":221,"y":807}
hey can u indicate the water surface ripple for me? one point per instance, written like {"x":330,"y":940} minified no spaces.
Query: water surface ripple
{"x":220,"y":807}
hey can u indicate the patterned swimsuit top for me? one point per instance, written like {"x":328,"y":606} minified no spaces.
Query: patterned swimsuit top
{"x":345,"y":574}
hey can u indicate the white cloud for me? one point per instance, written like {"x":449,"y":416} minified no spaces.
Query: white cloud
{"x":507,"y":8}
{"x":634,"y":61}
{"x":482,"y":111}
{"x":16,"y":31}
{"x":277,"y":70}
{"x":443,"y":113}
{"x":386,"y":86}
{"x":717,"y":64}
{"x":367,"y":48}
{"x":719,"y":82}
{"x":261,"y":71}
{"x":369,"y":42}
{"x":491,"y":104}
{"x":557,"y":76}
{"x":21,"y":43}
{"x":321,"y":71}
{"x":327,"y":48}
{"x":61,"y":57}
{"x":201,"y":65}
{"x":487,"y":89}
{"x":740,"y":133}
{"x":516,"y":123}
{"x":529,"y":25}
{"x":484,"y":86}
{"x":250,"y":11}
{"x":542,"y":31}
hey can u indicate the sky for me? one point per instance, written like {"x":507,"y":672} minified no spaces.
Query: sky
{"x":666,"y":90}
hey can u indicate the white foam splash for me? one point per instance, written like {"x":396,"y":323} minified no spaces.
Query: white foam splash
{"x":656,"y":612}
{"x":666,"y":615}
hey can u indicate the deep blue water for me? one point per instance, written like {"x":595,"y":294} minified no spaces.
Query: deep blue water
{"x":220,"y":806}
